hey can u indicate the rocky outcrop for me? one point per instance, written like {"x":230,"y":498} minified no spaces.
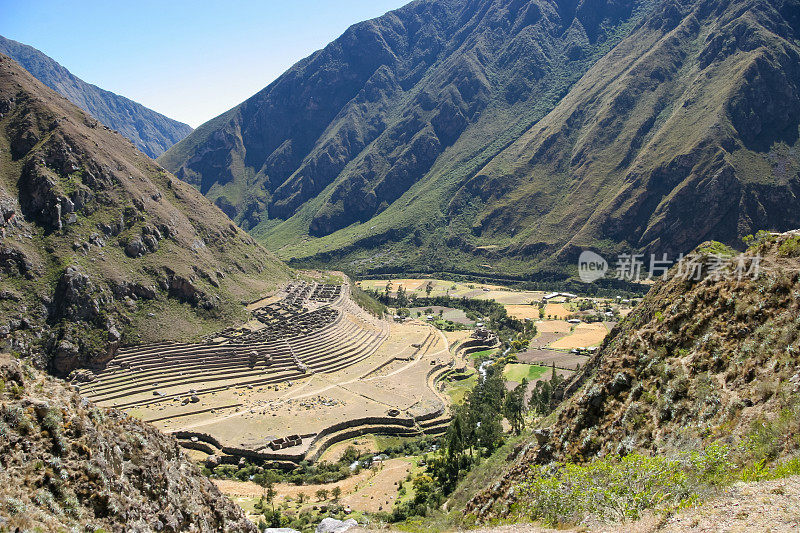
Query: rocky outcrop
{"x":186,"y":291}
{"x":698,"y":359}
{"x":68,"y":465}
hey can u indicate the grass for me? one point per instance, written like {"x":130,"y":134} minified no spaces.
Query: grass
{"x":457,"y":390}
{"x":367,"y":302}
{"x":483,"y":354}
{"x":516,"y":372}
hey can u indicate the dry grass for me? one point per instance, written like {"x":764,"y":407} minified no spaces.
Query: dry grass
{"x":556,"y":311}
{"x":553,"y":326}
{"x":522,"y":312}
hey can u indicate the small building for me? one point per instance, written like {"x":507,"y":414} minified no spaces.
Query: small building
{"x":573,"y":321}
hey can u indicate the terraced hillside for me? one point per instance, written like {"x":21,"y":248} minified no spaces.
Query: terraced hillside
{"x":332,"y":336}
{"x":310,"y":369}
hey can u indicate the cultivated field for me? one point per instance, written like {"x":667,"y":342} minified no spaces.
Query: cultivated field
{"x":372,"y":490}
{"x":500,"y":294}
{"x":549,"y":357}
{"x":557,"y":311}
{"x":583,"y":336}
{"x":523,"y":312}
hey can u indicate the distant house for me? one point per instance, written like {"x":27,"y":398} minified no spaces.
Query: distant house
{"x":574,"y":321}
{"x":567,"y":295}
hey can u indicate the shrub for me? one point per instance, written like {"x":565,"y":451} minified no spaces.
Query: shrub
{"x":611,"y":489}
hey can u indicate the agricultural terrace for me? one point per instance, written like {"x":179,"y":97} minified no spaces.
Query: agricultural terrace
{"x":311,"y":368}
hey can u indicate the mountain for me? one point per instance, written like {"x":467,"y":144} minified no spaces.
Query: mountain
{"x":99,"y":246}
{"x":504,"y":135}
{"x":710,"y":357}
{"x":68,"y":465}
{"x":151,"y":132}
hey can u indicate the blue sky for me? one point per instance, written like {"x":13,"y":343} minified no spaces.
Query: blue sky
{"x":188,"y":60}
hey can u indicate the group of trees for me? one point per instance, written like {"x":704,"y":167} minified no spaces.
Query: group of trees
{"x":497,"y":318}
{"x":475,"y":432}
{"x":541,"y":401}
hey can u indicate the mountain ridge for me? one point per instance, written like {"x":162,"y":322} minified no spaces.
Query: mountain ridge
{"x":151,"y":132}
{"x":449,"y":169}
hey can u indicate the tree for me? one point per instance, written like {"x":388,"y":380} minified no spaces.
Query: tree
{"x":402,"y":298}
{"x":428,"y":289}
{"x":322,"y":494}
{"x":514,"y":407}
{"x":336,"y":493}
{"x":269,"y":493}
{"x":301,"y":498}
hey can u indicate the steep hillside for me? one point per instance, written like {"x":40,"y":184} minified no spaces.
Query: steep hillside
{"x":151,"y":132}
{"x":697,"y":362}
{"x":68,"y":465}
{"x":99,"y":245}
{"x":451,"y":135}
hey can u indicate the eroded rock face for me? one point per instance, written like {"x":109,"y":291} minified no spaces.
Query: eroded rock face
{"x":69,"y":206}
{"x":75,"y":296}
{"x":186,"y":291}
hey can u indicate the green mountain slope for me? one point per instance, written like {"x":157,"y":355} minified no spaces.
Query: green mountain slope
{"x":151,"y":132}
{"x":99,"y":246}
{"x":504,"y":135}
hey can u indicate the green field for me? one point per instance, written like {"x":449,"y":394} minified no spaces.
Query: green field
{"x":516,"y":372}
{"x":457,"y":390}
{"x":482,"y":354}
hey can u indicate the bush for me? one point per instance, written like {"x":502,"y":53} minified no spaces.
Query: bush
{"x":610,"y":489}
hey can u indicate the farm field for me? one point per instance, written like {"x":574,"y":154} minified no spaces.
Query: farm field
{"x":500,"y":294}
{"x":457,"y":390}
{"x":553,"y":326}
{"x":523,"y":312}
{"x":516,"y":372}
{"x":372,"y":490}
{"x":583,"y":336}
{"x":448,"y":313}
{"x":557,"y":310}
{"x":547,"y":358}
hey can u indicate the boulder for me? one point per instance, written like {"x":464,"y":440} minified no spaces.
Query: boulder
{"x":83,"y":375}
{"x":331,"y":525}
{"x":135,"y":248}
{"x":66,"y":357}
